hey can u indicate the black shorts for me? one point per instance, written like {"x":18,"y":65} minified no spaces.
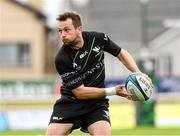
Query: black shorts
{"x":84,"y":120}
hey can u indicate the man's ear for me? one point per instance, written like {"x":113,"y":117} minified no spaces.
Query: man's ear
{"x":80,"y":28}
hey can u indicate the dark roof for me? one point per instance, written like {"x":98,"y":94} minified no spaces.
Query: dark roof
{"x":36,"y":12}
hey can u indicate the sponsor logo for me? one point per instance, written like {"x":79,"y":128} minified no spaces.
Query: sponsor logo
{"x":83,"y":55}
{"x":83,"y":76}
{"x":68,"y":74}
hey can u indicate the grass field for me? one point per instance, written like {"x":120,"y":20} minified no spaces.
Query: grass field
{"x":136,"y":131}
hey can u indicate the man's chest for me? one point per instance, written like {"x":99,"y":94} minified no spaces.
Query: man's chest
{"x":87,"y":57}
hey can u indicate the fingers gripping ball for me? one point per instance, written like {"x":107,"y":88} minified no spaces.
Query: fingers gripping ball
{"x":139,"y":86}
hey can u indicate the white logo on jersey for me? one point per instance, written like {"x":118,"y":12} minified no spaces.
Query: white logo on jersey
{"x":84,"y":54}
{"x":57,"y":118}
{"x":107,"y":114}
{"x":74,"y":65}
{"x":96,"y":49}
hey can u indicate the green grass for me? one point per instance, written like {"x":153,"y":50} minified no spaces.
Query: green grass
{"x":136,"y":131}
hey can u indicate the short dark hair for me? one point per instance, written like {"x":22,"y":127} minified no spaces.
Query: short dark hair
{"x":76,"y":18}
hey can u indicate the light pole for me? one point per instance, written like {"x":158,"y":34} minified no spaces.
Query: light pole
{"x":144,"y":22}
{"x":144,"y":111}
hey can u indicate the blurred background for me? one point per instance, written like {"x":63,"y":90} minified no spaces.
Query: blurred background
{"x":29,"y":84}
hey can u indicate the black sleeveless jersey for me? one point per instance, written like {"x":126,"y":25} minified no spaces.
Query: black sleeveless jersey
{"x":84,"y":65}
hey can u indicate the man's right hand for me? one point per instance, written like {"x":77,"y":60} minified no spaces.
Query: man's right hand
{"x":121,"y":91}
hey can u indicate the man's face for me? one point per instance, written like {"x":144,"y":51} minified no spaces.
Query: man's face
{"x":68,"y":33}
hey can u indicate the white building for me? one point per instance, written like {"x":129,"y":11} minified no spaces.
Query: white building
{"x":166,"y":49}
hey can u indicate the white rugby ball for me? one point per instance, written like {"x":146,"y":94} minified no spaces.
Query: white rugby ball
{"x":139,"y":86}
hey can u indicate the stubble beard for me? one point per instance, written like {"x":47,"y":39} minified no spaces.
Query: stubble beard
{"x":72,"y":43}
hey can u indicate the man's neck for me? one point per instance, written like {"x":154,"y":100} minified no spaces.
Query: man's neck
{"x":80,"y":43}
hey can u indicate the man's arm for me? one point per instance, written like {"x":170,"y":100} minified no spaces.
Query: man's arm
{"x":85,"y":93}
{"x":128,"y":60}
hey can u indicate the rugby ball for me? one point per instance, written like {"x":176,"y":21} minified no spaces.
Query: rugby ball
{"x":139,"y":86}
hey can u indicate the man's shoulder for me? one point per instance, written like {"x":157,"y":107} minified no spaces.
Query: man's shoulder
{"x":62,"y":55}
{"x":61,"y":50}
{"x":93,"y":34}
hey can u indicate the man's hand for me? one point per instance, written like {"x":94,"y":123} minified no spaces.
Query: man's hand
{"x":121,"y":91}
